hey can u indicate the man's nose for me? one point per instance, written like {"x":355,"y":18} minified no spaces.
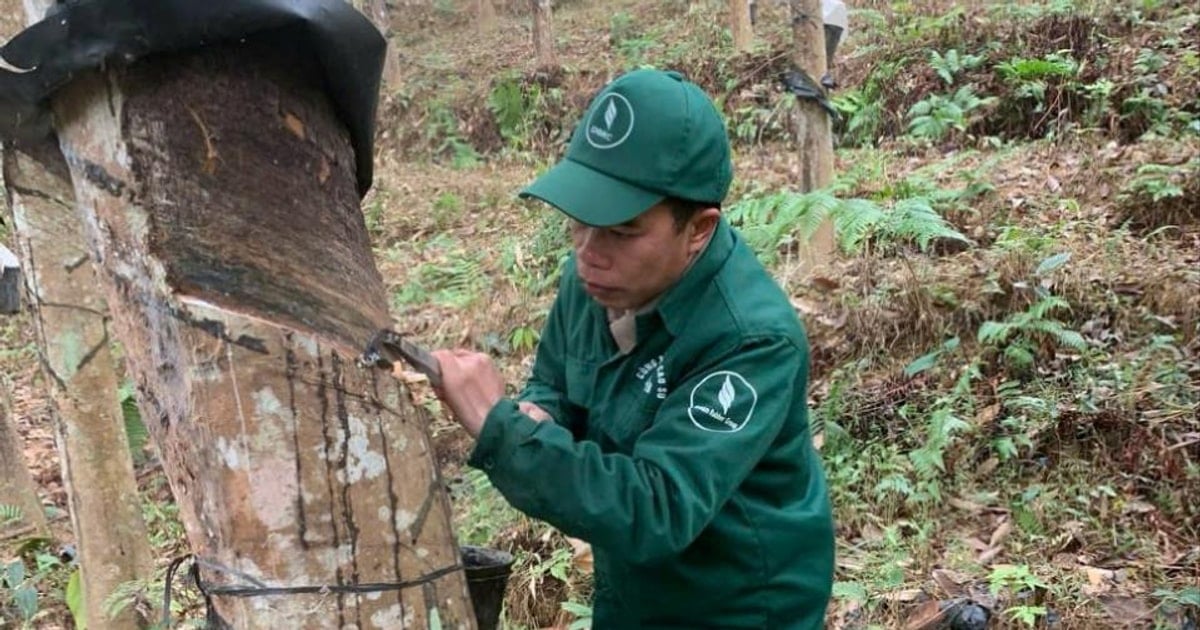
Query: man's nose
{"x":587,"y":248}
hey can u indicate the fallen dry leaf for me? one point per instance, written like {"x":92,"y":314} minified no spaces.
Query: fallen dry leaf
{"x":965,"y":505}
{"x":951,"y":582}
{"x":825,"y":284}
{"x":904,"y":595}
{"x":988,"y":466}
{"x":976,"y":544}
{"x":927,"y":616}
{"x":1001,"y":533}
{"x":987,"y":556}
{"x":1126,"y":611}
{"x":1100,"y":581}
{"x":583,"y":558}
{"x":1137,"y":507}
{"x":987,"y":415}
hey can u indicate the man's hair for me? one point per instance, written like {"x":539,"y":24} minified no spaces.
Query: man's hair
{"x":684,"y":209}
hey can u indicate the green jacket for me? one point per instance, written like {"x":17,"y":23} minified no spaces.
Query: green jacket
{"x":687,"y":464}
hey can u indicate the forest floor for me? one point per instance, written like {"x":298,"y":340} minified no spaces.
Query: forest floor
{"x":1006,"y":384}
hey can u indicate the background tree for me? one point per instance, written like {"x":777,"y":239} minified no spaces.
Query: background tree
{"x":16,"y":486}
{"x":70,"y":323}
{"x":543,"y":34}
{"x":740,"y":26}
{"x":814,"y":128}
{"x":485,"y":14}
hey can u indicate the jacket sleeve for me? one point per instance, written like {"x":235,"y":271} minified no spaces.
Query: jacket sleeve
{"x":707,"y":436}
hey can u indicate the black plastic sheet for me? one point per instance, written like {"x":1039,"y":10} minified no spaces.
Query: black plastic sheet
{"x":82,"y":35}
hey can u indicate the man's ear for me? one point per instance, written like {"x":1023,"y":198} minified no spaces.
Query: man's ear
{"x":702,"y":225}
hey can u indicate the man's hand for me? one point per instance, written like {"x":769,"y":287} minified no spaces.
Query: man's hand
{"x":471,"y":386}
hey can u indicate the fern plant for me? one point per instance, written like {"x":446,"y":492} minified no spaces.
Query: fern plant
{"x":929,"y":459}
{"x":1019,"y":335}
{"x":953,"y":63}
{"x":936,"y":116}
{"x":135,"y":430}
{"x":781,"y":219}
{"x":9,"y":514}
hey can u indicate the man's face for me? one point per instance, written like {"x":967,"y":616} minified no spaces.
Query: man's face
{"x":625,"y":266}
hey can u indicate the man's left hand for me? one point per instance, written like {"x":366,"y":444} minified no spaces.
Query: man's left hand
{"x":471,"y":386}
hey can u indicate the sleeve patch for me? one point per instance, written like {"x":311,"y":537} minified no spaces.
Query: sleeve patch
{"x":722,"y":402}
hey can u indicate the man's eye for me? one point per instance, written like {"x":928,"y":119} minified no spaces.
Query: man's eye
{"x":620,"y":234}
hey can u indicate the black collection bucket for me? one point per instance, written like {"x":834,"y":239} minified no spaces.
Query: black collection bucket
{"x":487,"y":579}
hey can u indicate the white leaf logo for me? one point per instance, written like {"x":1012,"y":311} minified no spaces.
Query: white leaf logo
{"x":726,"y":396}
{"x":610,"y":114}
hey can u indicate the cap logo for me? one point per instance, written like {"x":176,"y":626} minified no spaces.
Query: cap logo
{"x":611,"y":122}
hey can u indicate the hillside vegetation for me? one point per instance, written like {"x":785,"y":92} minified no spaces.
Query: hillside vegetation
{"x":1006,"y":384}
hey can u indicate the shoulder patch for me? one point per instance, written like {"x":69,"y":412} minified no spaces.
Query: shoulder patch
{"x":722,"y":402}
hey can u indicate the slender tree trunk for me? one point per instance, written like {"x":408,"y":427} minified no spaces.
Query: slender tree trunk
{"x":377,"y":12}
{"x":543,"y":34}
{"x":218,"y":190}
{"x":485,"y":15}
{"x":813,"y":125}
{"x":70,"y":322}
{"x":739,"y":24}
{"x":16,"y":485}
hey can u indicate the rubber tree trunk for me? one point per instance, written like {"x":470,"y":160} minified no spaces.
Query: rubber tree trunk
{"x":218,"y":188}
{"x":377,"y":12}
{"x":740,"y":26}
{"x":70,"y":322}
{"x":16,"y":485}
{"x":814,"y":132}
{"x":543,"y":34}
{"x":485,"y":15}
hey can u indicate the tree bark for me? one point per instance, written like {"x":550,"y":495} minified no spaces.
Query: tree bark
{"x":16,"y":485}
{"x":813,"y":126}
{"x":739,"y":24}
{"x":218,"y":190}
{"x":69,"y":317}
{"x":543,"y":34}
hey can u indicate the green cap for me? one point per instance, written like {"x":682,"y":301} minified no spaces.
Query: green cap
{"x":648,"y":135}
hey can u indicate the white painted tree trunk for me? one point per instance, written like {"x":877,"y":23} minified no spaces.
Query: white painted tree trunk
{"x":16,"y":485}
{"x":814,"y":132}
{"x":70,"y":320}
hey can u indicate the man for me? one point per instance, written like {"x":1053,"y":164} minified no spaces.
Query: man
{"x":665,"y":421}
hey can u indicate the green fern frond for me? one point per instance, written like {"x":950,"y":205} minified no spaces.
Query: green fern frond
{"x":915,"y":219}
{"x":927,"y":461}
{"x":1043,"y":307}
{"x":994,"y":333}
{"x":855,"y":221}
{"x":136,"y":434}
{"x":9,"y":514}
{"x":1019,"y":356}
{"x":813,"y":210}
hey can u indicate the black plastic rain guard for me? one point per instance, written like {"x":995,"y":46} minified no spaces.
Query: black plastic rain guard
{"x":81,"y":35}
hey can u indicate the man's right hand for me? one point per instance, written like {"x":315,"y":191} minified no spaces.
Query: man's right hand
{"x":534,"y":411}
